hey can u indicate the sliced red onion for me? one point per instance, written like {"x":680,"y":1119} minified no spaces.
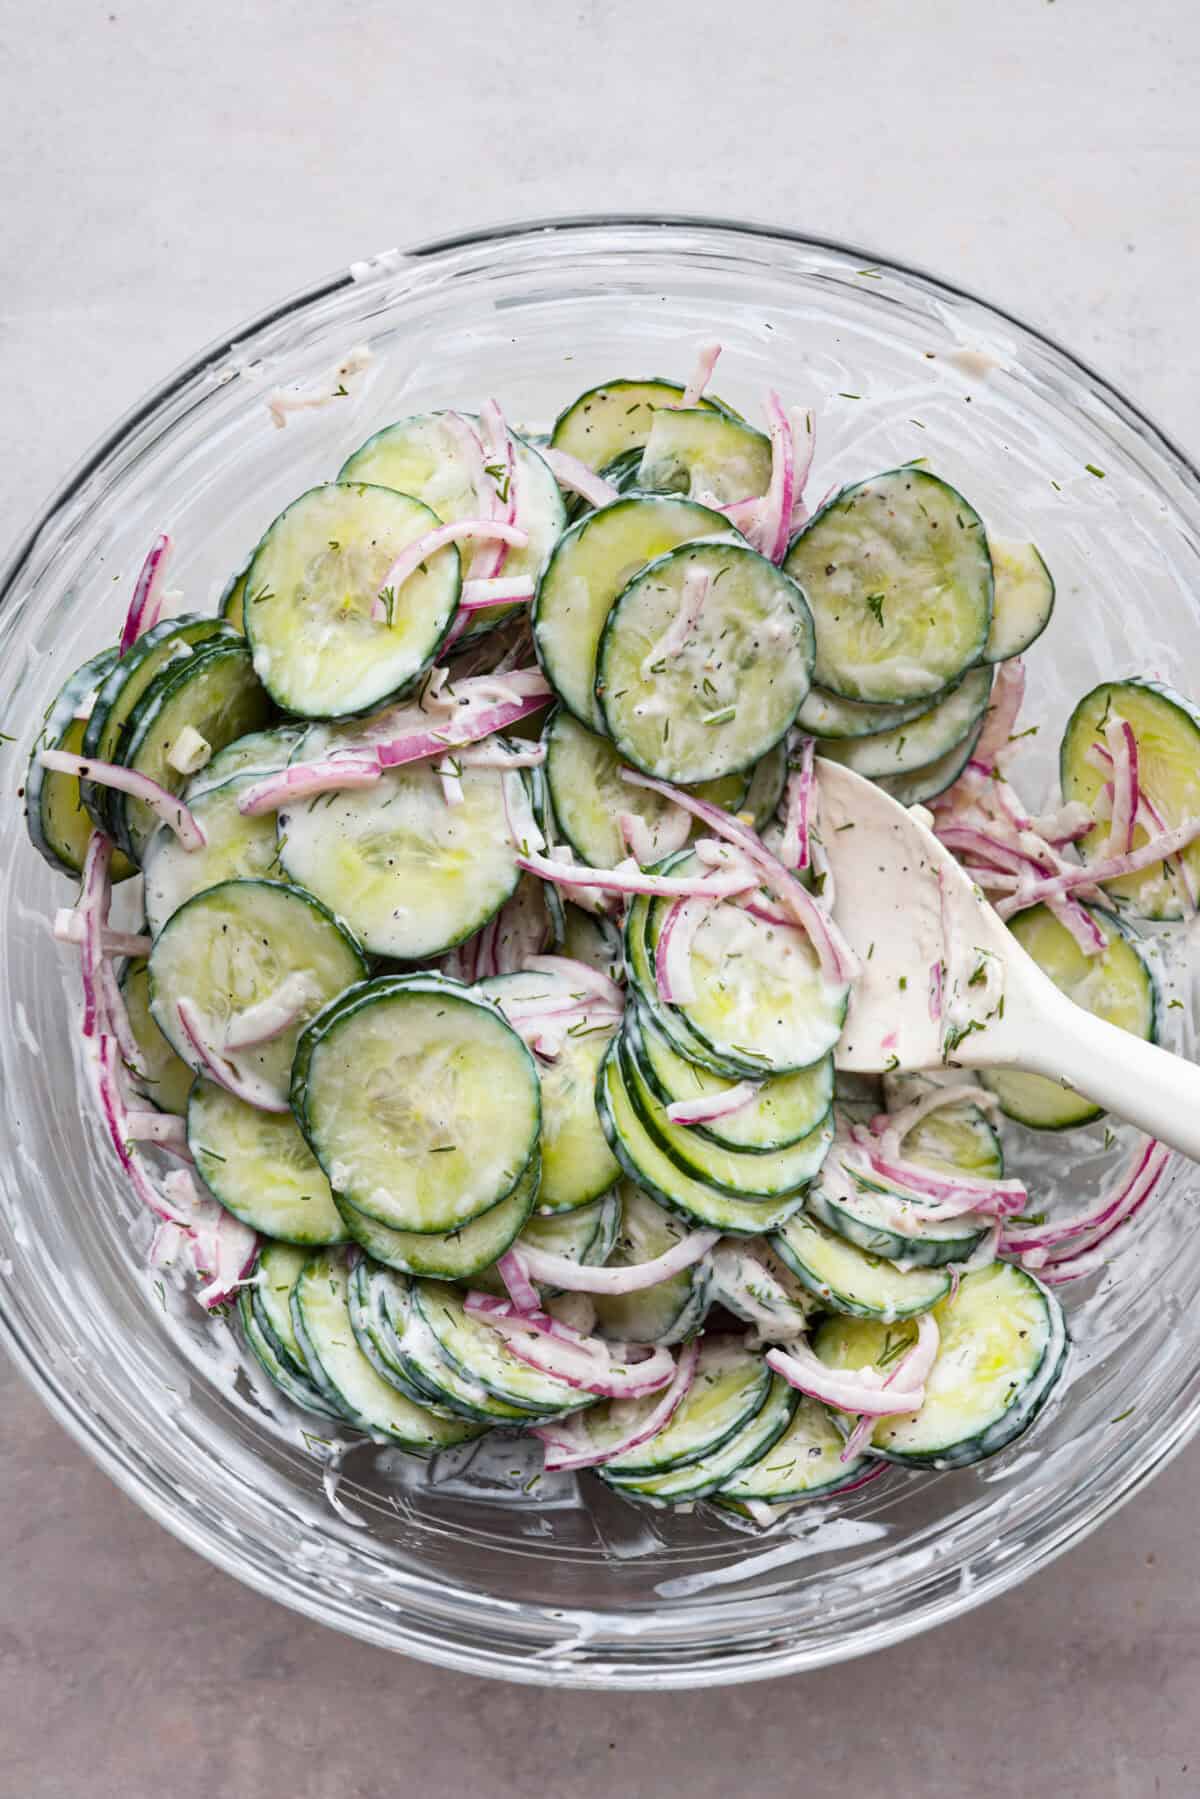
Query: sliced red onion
{"x":633,"y":880}
{"x":578,"y":478}
{"x":146,"y":604}
{"x":675,"y":639}
{"x":714,"y":1105}
{"x":1107,"y":868}
{"x":773,"y":521}
{"x":164,"y":804}
{"x":584,"y":977}
{"x":1147,"y":816}
{"x":1004,"y":706}
{"x":569,"y":1447}
{"x":797,"y":815}
{"x":892,"y":1127}
{"x":164,"y":1128}
{"x":462,"y":530}
{"x":94,"y":893}
{"x":303,"y":779}
{"x":1076,"y":919}
{"x":937,"y":974}
{"x":701,"y":375}
{"x":494,"y":755}
{"x":522,"y":928}
{"x":105,"y":1069}
{"x":220,"y":1069}
{"x":1123,"y":748}
{"x":271,"y":1017}
{"x":520,"y":1289}
{"x":863,"y":1390}
{"x":575,"y":1277}
{"x":613,"y":1370}
{"x":838,"y":961}
{"x":1111,"y":1209}
{"x":912,"y":1370}
{"x":498,"y":449}
{"x":495,"y":590}
{"x":69,"y":928}
{"x":673,"y":954}
{"x":954,"y":1193}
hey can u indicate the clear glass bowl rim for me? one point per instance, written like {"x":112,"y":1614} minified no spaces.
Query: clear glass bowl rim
{"x":121,"y":1461}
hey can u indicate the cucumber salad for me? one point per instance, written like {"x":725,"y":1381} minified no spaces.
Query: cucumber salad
{"x":479,"y":1043}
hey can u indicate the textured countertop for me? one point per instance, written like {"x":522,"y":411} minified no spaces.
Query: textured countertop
{"x":170,"y":169}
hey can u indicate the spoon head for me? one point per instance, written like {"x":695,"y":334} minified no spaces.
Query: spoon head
{"x":909,"y":909}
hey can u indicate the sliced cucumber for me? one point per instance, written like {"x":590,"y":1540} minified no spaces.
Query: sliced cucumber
{"x":586,"y":1235}
{"x":403,"y":1350}
{"x":294,"y":1387}
{"x":899,"y":579}
{"x":757,"y":1176}
{"x":848,"y":1279}
{"x":805,"y":1461}
{"x":607,"y":421}
{"x":423,"y":456}
{"x":59,"y":825}
{"x":669,"y":1019}
{"x":700,"y":1478}
{"x":268,"y":1301}
{"x":762,"y":1005}
{"x":649,"y":1166}
{"x":589,"y":566}
{"x":577,"y":1164}
{"x":593,"y":939}
{"x":927,"y":783}
{"x":669,"y":1312}
{"x":128,"y":677}
{"x":232,"y":947}
{"x":215,"y":693}
{"x":232,"y":603}
{"x":310,"y":591}
{"x":167,"y":1080}
{"x":704,"y":454}
{"x":921,"y":741}
{"x":788,"y":1106}
{"x":1167,"y":728}
{"x":447,"y":1255}
{"x":868,"y":1214}
{"x":480,"y":1355}
{"x":1117,"y":986}
{"x":411,"y":875}
{"x":733,"y":689}
{"x":259,"y":753}
{"x":959,"y":1137}
{"x":728,"y":1392}
{"x":766,"y":786}
{"x":420,"y":1103}
{"x":824,"y":715}
{"x":1002,"y":1347}
{"x":235,"y":846}
{"x":1023,"y":601}
{"x":321,"y":1314}
{"x":260,"y":1168}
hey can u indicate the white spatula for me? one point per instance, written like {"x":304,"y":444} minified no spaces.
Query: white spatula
{"x":905,"y":905}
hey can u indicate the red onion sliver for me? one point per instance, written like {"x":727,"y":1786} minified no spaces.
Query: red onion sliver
{"x":1110,"y":1209}
{"x":714,"y":1105}
{"x":586,"y":978}
{"x":462,"y":530}
{"x":701,"y":375}
{"x":674,"y":640}
{"x":673,"y":953}
{"x":521,"y":1290}
{"x":859,"y":1391}
{"x":219,"y":1069}
{"x":569,"y":1447}
{"x":69,"y":928}
{"x":618,"y":880}
{"x":495,"y":590}
{"x":271,"y":1017}
{"x":1123,"y":748}
{"x":164,"y":804}
{"x":575,"y":1277}
{"x":1107,"y":868}
{"x":775,"y":511}
{"x":578,"y":478}
{"x":146,"y":603}
{"x":1008,"y":691}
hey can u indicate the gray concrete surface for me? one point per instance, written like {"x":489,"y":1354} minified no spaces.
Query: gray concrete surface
{"x":167,"y":170}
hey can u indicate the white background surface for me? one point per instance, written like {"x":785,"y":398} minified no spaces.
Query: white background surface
{"x":170,"y":168}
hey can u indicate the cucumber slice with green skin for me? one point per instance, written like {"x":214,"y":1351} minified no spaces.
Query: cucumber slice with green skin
{"x":597,"y":941}
{"x":577,"y":1164}
{"x":762,"y":1005}
{"x":411,"y":875}
{"x":321,"y":1314}
{"x":232,"y":947}
{"x":59,"y":825}
{"x":423,"y":456}
{"x":729,"y":1391}
{"x":958,"y":1137}
{"x":215,"y":693}
{"x":1003,"y":1345}
{"x":1116,"y":985}
{"x":1167,"y":728}
{"x":173,"y":640}
{"x":403,"y":1351}
{"x":231,"y":605}
{"x":766,"y":786}
{"x":928,"y":782}
{"x":420,"y":1103}
{"x":804,"y":1462}
{"x":259,"y":753}
{"x":586,"y":1236}
{"x":706,"y":455}
{"x":649,"y":1166}
{"x":824,"y":715}
{"x":280,"y":1266}
{"x":618,"y":416}
{"x":668,"y":1313}
{"x":317,"y":649}
{"x":258,"y":1166}
{"x":451,"y":1255}
{"x":772,"y":1175}
{"x":235,"y":847}
{"x":899,"y":580}
{"x":712,"y":1471}
{"x":866,"y":1217}
{"x":589,"y":566}
{"x":295,"y":1387}
{"x":847,"y":1279}
{"x":481,"y":1356}
{"x":669,"y":1019}
{"x":1023,"y":600}
{"x":583,"y":778}
{"x":922,"y":740}
{"x":167,"y":1080}
{"x":788,"y":1107}
{"x":734,"y":688}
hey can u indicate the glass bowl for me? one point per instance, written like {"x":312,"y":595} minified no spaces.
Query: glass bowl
{"x":460,"y":1564}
